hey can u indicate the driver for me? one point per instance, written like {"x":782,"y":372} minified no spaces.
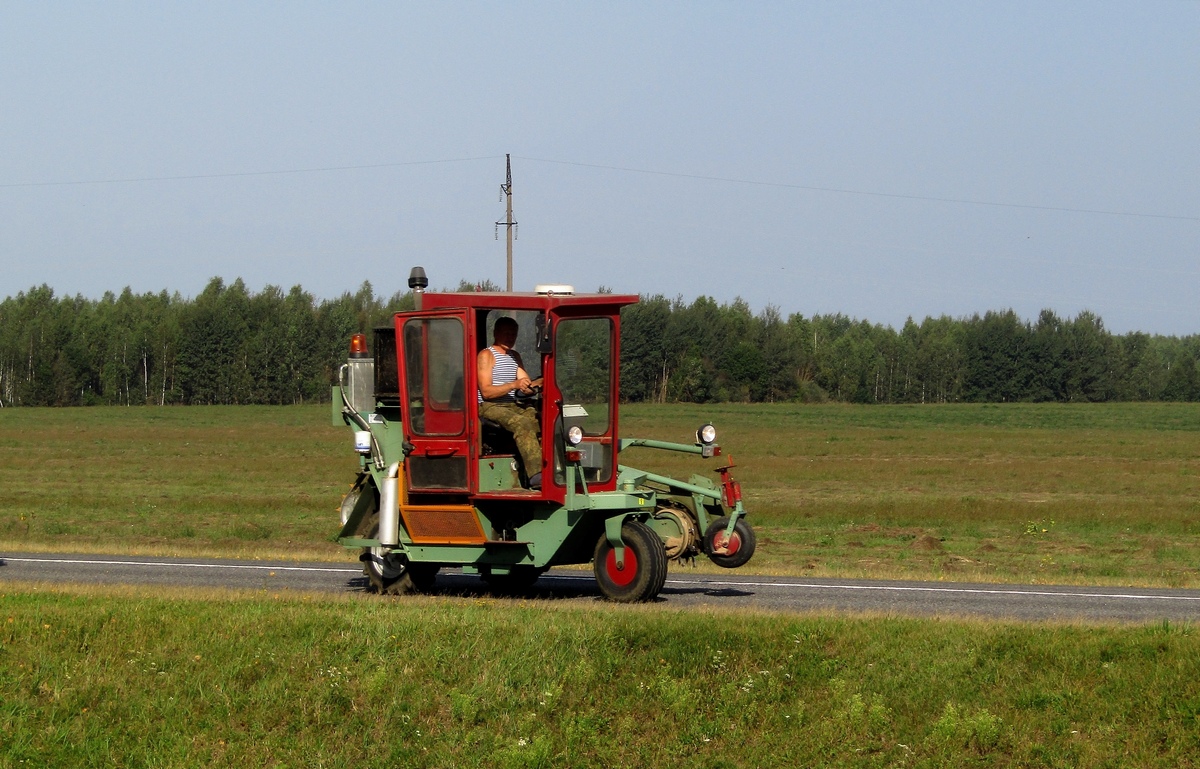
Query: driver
{"x":501,"y":375}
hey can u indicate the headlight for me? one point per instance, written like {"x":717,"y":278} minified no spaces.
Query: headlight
{"x":575,"y":435}
{"x":706,"y":434}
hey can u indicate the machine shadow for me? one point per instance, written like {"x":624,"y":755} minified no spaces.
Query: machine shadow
{"x":724,"y":592}
{"x":470,"y":586}
{"x":547,"y":588}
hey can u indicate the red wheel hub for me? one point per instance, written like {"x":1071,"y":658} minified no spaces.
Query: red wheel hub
{"x":730,"y":544}
{"x":621,"y":577}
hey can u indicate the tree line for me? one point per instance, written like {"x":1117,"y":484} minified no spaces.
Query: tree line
{"x":703,"y":351}
{"x":226,"y":346}
{"x":229,"y":345}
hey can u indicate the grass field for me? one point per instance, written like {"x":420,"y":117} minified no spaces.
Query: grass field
{"x":120,"y":677}
{"x":177,"y":678}
{"x":1104,"y":494}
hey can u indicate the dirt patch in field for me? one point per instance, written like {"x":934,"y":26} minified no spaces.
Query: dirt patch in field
{"x":893,"y":532}
{"x":926,"y":542}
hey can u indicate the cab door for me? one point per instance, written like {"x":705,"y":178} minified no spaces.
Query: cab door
{"x":585,"y":384}
{"x":431,"y":348}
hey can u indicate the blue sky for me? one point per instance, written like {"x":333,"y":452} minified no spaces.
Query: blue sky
{"x":882,"y":160}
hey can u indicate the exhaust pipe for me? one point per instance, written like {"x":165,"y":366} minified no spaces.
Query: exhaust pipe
{"x":389,"y":508}
{"x":418,"y":283}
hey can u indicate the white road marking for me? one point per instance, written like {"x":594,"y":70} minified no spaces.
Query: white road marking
{"x":926,"y":589}
{"x":188,"y":565}
{"x":919,"y":589}
{"x":686,"y":582}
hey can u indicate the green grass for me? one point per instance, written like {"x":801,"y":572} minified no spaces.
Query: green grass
{"x":1089,"y":493}
{"x":223,"y":481}
{"x":1042,"y":493}
{"x":123,"y":677}
{"x":178,"y":678}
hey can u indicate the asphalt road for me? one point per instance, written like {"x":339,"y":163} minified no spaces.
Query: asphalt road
{"x":684,"y":588}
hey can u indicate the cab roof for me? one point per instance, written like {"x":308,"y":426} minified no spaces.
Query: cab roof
{"x":514,"y":300}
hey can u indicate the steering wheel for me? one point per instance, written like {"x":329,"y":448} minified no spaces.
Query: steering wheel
{"x":534,"y":394}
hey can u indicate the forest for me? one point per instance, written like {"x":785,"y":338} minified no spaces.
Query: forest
{"x":229,"y":345}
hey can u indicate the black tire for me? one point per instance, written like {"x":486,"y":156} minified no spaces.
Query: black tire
{"x":742,"y":543}
{"x":391,"y":573}
{"x":387,"y":573}
{"x":645,"y":567}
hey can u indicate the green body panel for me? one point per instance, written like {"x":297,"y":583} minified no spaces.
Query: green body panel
{"x":632,"y":478}
{"x":498,"y":473}
{"x":555,"y":535}
{"x":506,"y":554}
{"x":543,"y":534}
{"x":684,"y":448}
{"x":389,"y":432}
{"x":552,"y":535}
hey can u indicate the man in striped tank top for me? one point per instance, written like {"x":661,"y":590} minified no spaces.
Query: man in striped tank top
{"x":501,"y":374}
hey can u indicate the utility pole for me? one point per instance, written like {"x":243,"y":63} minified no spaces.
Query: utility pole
{"x":506,"y":190}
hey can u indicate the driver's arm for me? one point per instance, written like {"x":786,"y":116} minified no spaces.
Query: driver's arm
{"x":485,"y":362}
{"x":525,"y":384}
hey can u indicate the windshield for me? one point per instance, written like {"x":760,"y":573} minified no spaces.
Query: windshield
{"x":526,"y":345}
{"x":582,"y":369}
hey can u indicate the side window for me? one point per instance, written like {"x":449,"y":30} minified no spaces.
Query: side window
{"x":433,"y":351}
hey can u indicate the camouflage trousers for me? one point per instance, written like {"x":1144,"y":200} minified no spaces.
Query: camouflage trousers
{"x":522,"y":422}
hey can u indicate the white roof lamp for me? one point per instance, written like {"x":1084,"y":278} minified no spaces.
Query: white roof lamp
{"x":554,"y":289}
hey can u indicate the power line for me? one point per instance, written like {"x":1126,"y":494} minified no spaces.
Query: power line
{"x":244,"y":173}
{"x":842,"y":191}
{"x":623,"y":169}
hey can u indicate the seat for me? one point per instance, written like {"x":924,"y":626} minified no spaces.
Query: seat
{"x":495,"y":439}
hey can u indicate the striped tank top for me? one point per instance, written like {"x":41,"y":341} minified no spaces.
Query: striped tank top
{"x":504,"y":372}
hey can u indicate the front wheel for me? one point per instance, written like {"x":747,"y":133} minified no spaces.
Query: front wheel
{"x":644,"y":572}
{"x":391,"y":573}
{"x":732,"y":550}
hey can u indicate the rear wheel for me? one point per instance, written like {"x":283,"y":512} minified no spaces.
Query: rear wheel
{"x":644,"y":572}
{"x":732,"y":550}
